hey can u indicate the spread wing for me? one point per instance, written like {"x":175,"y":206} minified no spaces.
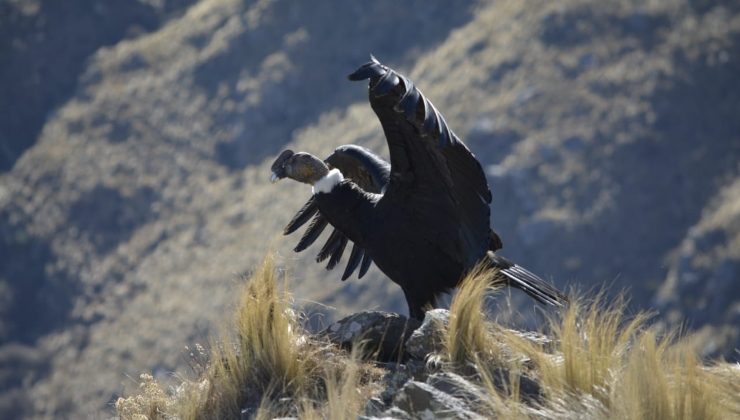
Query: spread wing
{"x":368,"y":171}
{"x":432,"y":171}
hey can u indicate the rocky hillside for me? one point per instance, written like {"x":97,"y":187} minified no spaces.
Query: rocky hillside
{"x":136,"y":145}
{"x":456,"y":364}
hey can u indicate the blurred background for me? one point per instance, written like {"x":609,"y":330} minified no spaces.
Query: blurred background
{"x":136,"y":138}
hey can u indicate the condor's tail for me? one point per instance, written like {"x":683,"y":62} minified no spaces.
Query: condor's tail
{"x":523,"y":279}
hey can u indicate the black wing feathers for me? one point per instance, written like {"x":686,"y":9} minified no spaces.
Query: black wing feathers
{"x":366,"y":262}
{"x":331,"y":246}
{"x":370,"y":70}
{"x":432,"y":170}
{"x":385,"y":84}
{"x":314,"y":231}
{"x":433,"y":182}
{"x":355,"y":257}
{"x":337,"y":254}
{"x":303,"y":216}
{"x":368,"y":171}
{"x":360,"y":165}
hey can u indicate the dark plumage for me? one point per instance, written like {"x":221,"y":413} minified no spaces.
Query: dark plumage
{"x":368,"y":171}
{"x":423,"y":219}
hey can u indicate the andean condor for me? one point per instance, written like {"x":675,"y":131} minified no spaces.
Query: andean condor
{"x":423,"y":219}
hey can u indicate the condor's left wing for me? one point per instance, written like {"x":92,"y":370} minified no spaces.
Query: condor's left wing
{"x":368,"y":171}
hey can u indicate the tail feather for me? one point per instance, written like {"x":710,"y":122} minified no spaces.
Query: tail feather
{"x":528,"y":282}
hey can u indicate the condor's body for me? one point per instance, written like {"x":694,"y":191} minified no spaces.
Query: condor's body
{"x":424,"y":219}
{"x":389,"y":234}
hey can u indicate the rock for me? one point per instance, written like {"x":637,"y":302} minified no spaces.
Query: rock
{"x":424,"y":401}
{"x":429,"y":337}
{"x":393,"y":413}
{"x":381,"y":334}
{"x":465,"y":384}
{"x":374,"y":407}
{"x":394,"y":380}
{"x":418,"y":369}
{"x":453,"y":384}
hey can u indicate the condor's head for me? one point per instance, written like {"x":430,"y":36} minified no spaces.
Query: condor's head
{"x":302,"y":167}
{"x":306,"y":168}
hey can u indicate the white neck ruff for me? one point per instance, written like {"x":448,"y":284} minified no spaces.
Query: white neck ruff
{"x":328,"y":182}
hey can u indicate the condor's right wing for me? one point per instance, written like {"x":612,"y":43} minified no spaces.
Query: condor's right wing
{"x":432,"y":171}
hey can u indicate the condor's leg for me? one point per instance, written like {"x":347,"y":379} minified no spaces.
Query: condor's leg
{"x":419,"y":302}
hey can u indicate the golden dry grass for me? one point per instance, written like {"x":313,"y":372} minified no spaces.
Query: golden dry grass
{"x":598,"y":364}
{"x":347,"y":391}
{"x":266,"y":361}
{"x":149,"y":403}
{"x":468,"y":336}
{"x":269,"y":358}
{"x":471,"y":339}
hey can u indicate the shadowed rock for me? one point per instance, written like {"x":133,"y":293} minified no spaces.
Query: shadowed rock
{"x":380,"y":335}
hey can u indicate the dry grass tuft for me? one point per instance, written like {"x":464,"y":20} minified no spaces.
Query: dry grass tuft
{"x":468,"y":337}
{"x":471,"y":340}
{"x":593,"y":341}
{"x":270,"y":359}
{"x":602,"y":365}
{"x":151,"y":402}
{"x":348,"y":387}
{"x":598,"y":364}
{"x":267,"y":362}
{"x":666,"y":380}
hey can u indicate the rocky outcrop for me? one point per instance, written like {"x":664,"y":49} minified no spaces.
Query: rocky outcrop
{"x":380,"y":335}
{"x":429,"y":337}
{"x":414,"y":386}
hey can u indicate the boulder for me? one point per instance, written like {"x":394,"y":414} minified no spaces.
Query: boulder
{"x":424,"y":401}
{"x":429,"y":337}
{"x":379,"y":335}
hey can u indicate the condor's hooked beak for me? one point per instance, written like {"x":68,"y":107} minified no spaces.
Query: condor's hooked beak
{"x":278,"y":167}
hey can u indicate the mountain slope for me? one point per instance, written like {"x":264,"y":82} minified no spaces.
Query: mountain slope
{"x":606,"y":131}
